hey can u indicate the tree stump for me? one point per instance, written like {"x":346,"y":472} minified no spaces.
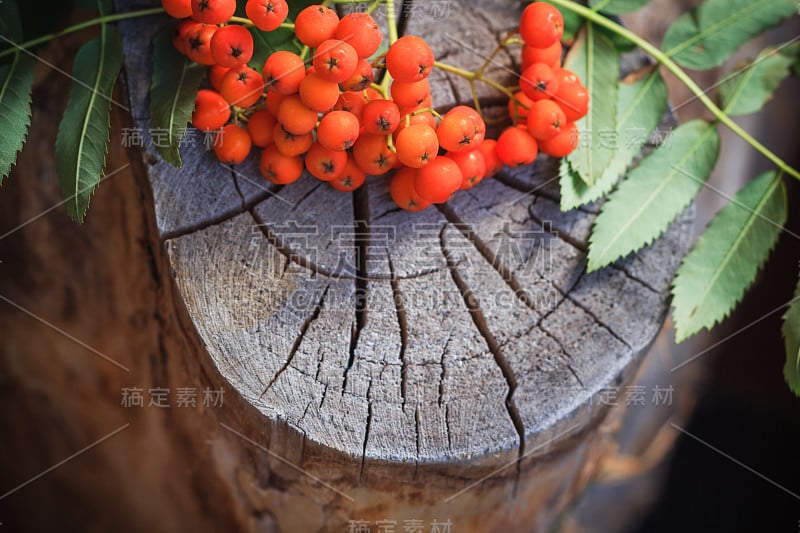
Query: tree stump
{"x":433,"y":366}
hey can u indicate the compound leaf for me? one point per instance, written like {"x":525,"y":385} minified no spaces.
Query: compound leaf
{"x":640,"y":106}
{"x":748,"y":88}
{"x":173,"y":89}
{"x":706,"y":36}
{"x":82,"y":140}
{"x":715,"y":275}
{"x":654,"y":193}
{"x":16,"y":84}
{"x":616,"y":7}
{"x":595,"y":60}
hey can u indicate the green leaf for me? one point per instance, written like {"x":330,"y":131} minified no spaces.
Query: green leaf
{"x":791,"y":338}
{"x":572,"y":22}
{"x":82,"y":139}
{"x":616,"y":7}
{"x":595,"y":60}
{"x":173,"y":90}
{"x":10,"y":23}
{"x":640,"y":106}
{"x":705,"y":37}
{"x":654,"y":193}
{"x":714,"y":276}
{"x":16,"y":84}
{"x":748,"y":88}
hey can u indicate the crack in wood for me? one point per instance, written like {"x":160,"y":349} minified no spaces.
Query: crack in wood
{"x":361,"y":243}
{"x":562,"y":235}
{"x":443,"y":374}
{"x":487,"y":254}
{"x":366,"y":431}
{"x":476,"y":313}
{"x":402,"y":322}
{"x":296,"y":345}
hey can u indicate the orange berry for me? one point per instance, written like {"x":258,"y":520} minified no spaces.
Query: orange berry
{"x":573,"y":98}
{"x":267,"y":15}
{"x":457,"y":132}
{"x":338,"y":130}
{"x":278,"y":168}
{"x":325,"y":164}
{"x":295,"y":116}
{"x":351,"y":101}
{"x":179,"y":9}
{"x":272,"y":101}
{"x":211,"y":111}
{"x":409,"y":59}
{"x":260,"y":127}
{"x":360,"y":31}
{"x":351,"y":178}
{"x":563,"y":143}
{"x":472,"y":165}
{"x":241,"y":86}
{"x":232,"y":144}
{"x":335,"y":60}
{"x":402,"y":191}
{"x":545,"y":120}
{"x":550,"y":56}
{"x":516,"y":147}
{"x":493,"y":163}
{"x":538,"y":82}
{"x":290,"y":144}
{"x":215,"y":75}
{"x":372,"y":154}
{"x":318,"y":93}
{"x":380,"y":117}
{"x":519,"y":106}
{"x":541,"y":25}
{"x":232,"y":46}
{"x":315,"y":24}
{"x":198,"y":45}
{"x":213,"y":11}
{"x":360,"y":79}
{"x":417,"y":145}
{"x":438,"y":180}
{"x":410,"y":94}
{"x":283,"y":72}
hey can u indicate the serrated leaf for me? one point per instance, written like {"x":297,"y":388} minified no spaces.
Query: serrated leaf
{"x":173,"y":90}
{"x":616,"y":7}
{"x":82,"y":140}
{"x":16,"y":84}
{"x":640,"y":106}
{"x":722,"y":265}
{"x":747,"y":89}
{"x":705,"y":37}
{"x":572,"y":22}
{"x":654,"y":193}
{"x":595,"y":60}
{"x":791,"y":339}
{"x":10,"y":23}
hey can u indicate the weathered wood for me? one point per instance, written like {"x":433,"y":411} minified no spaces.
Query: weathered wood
{"x":401,"y":357}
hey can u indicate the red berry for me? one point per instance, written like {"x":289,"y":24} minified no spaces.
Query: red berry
{"x":360,"y":79}
{"x":351,"y":178}
{"x":325,"y":164}
{"x":318,"y":94}
{"x":538,"y":82}
{"x":335,"y":60}
{"x":372,"y":154}
{"x":179,"y":9}
{"x":232,"y":46}
{"x":211,"y":111}
{"x":573,"y":98}
{"x":260,"y":127}
{"x":402,"y":191}
{"x":360,"y":31}
{"x":410,"y":94}
{"x":232,"y":145}
{"x":409,"y":59}
{"x":278,"y":168}
{"x":563,"y":143}
{"x":545,"y":120}
{"x":380,"y":117}
{"x":550,"y":56}
{"x":283,"y":72}
{"x":267,"y":15}
{"x":213,"y":11}
{"x":295,"y":116}
{"x":215,"y":75}
{"x":198,"y":46}
{"x":438,"y":180}
{"x":417,"y":145}
{"x":472,"y":165}
{"x":338,"y":130}
{"x":489,"y":150}
{"x":241,"y":86}
{"x":516,"y":147}
{"x":541,"y":25}
{"x":315,"y":24}
{"x":519,"y":106}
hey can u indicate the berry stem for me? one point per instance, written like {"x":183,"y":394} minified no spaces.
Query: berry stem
{"x":679,"y":73}
{"x":391,"y":23}
{"x":81,"y":26}
{"x":244,"y":21}
{"x":472,"y":76}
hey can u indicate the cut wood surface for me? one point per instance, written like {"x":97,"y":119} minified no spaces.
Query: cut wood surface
{"x":432,"y":349}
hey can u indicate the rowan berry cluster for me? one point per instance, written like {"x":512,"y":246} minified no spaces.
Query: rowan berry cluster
{"x":327,"y":116}
{"x":550,"y":98}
